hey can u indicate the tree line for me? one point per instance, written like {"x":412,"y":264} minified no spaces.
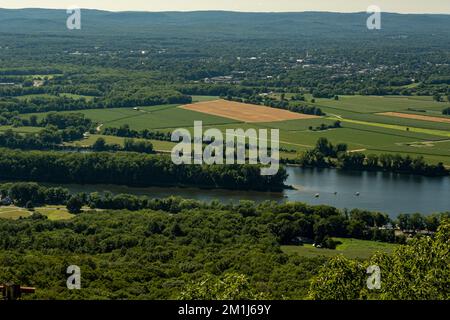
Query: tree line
{"x":446,"y":111}
{"x":131,"y":169}
{"x":327,"y":155}
{"x":335,"y":125}
{"x":51,"y":139}
{"x":130,"y":145}
{"x":57,"y":128}
{"x":118,"y":99}
{"x":125,"y":131}
{"x":279,"y":104}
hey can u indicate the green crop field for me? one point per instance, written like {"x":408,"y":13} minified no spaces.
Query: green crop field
{"x":386,"y":120}
{"x":377,"y":104}
{"x":351,"y":248}
{"x":298,"y":125}
{"x":152,"y":118}
{"x":362,"y":129}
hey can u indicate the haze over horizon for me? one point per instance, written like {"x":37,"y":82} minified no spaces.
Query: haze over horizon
{"x":399,"y":6}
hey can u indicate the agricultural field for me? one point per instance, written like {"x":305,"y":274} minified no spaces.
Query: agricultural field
{"x":371,"y":109}
{"x":379,"y":104}
{"x":350,"y":248}
{"x":244,"y":112}
{"x":363,"y":129}
{"x":416,"y":117}
{"x":151,"y":118}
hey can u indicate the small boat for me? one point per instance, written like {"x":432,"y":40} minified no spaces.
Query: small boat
{"x":357,"y":194}
{"x":317,"y":195}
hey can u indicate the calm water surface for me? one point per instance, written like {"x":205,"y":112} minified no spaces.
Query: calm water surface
{"x":379,"y":191}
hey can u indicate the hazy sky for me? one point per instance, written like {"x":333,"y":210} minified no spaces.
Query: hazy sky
{"x":404,"y":6}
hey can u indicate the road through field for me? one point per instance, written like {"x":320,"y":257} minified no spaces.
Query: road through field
{"x":415,"y":116}
{"x":434,"y":132}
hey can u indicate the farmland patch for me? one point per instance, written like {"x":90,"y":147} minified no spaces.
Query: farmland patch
{"x":416,"y":117}
{"x":244,"y":112}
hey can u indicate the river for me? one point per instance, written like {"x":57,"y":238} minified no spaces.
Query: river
{"x":378,"y":191}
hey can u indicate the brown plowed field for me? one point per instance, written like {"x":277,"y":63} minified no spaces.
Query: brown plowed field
{"x":415,"y":117}
{"x":244,"y":112}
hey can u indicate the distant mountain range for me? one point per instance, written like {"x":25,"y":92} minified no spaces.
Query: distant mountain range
{"x":224,"y":24}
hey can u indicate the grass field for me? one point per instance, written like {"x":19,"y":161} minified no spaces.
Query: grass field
{"x":378,"y":104}
{"x":370,"y":109}
{"x":152,"y":118}
{"x":21,"y":129}
{"x":13,"y":213}
{"x":350,"y":248}
{"x":51,"y":212}
{"x":163,"y":146}
{"x":55,"y":213}
{"x":363,"y":128}
{"x":49,"y":96}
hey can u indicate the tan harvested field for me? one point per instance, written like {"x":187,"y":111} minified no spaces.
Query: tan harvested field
{"x":415,"y":117}
{"x":244,"y":112}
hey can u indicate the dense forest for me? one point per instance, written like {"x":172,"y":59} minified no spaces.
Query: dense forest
{"x":131,"y":169}
{"x":147,"y":255}
{"x":168,"y":252}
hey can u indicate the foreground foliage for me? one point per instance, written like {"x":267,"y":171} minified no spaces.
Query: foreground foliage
{"x":149,"y":255}
{"x":418,"y":271}
{"x":206,"y":253}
